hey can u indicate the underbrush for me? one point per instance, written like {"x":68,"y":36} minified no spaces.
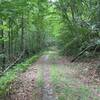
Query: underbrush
{"x":11,"y":75}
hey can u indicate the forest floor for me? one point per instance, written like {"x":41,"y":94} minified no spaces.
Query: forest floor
{"x":54,"y":77}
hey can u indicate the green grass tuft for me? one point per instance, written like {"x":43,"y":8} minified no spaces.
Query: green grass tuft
{"x":39,"y":80}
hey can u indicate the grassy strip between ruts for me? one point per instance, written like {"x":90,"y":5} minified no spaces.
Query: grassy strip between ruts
{"x":11,"y":75}
{"x":39,"y":82}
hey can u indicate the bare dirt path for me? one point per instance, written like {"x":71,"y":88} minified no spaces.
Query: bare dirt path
{"x":26,"y":88}
{"x":53,"y":78}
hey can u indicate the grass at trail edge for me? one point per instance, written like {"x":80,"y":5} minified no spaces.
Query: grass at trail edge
{"x":11,"y":74}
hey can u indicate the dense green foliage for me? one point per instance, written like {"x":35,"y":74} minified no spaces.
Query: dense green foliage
{"x":23,"y":27}
{"x":80,"y":24}
{"x":32,"y":25}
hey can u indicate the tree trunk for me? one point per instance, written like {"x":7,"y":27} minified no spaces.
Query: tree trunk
{"x":9,"y":42}
{"x":82,"y":52}
{"x":22,"y":34}
{"x":2,"y":47}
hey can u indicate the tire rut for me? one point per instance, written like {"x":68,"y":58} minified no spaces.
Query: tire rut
{"x":47,"y":90}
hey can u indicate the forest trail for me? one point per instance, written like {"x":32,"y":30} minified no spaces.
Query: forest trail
{"x":54,"y":78}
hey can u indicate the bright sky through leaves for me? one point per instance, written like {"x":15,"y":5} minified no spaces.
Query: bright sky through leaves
{"x":53,"y":0}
